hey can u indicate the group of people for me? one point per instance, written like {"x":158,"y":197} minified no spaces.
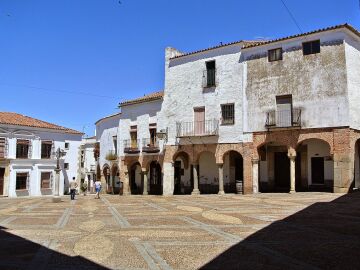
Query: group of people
{"x":74,"y":185}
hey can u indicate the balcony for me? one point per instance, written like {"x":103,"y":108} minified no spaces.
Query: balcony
{"x":209,"y":78}
{"x":150,"y":146}
{"x":131,"y":146}
{"x":283,"y":118}
{"x":111,"y":156}
{"x":197,"y":128}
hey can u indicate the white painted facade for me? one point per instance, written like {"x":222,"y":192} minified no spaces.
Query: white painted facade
{"x":184,"y":92}
{"x":106,"y":129}
{"x":88,"y":162}
{"x":34,"y":165}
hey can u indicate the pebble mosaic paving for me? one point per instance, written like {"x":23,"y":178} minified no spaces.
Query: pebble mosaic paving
{"x":262,"y":231}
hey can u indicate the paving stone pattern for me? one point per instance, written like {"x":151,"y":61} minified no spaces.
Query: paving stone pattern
{"x":262,"y":231}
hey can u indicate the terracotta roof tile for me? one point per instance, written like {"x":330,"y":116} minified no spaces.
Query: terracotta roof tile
{"x":145,"y":98}
{"x":10,"y":118}
{"x":347,"y":26}
{"x":244,"y":42}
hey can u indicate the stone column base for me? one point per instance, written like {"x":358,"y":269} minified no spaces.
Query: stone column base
{"x":221,"y":192}
{"x":195,"y":192}
{"x":340,"y":190}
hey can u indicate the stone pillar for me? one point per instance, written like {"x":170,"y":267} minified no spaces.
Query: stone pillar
{"x":221,"y":179}
{"x":6,"y":180}
{"x":255,"y":175}
{"x":196,"y":190}
{"x":144,"y":175}
{"x":103,"y":183}
{"x":126,"y":184}
{"x":292,"y":158}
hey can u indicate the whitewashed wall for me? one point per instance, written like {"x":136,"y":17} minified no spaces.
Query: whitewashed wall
{"x":105,"y":130}
{"x":35,"y":165}
{"x":184,"y":91}
{"x":141,"y":115}
{"x":352,"y":50}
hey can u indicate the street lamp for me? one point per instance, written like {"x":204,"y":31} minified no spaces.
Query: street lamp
{"x":58,"y":155}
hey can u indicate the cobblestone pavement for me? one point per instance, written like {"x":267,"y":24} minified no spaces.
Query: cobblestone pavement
{"x":263,"y":231}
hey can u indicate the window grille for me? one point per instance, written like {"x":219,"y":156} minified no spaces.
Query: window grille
{"x":228,"y":114}
{"x":22,"y":181}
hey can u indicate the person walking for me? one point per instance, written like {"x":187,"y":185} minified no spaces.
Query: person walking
{"x":73,"y":186}
{"x":97,"y":189}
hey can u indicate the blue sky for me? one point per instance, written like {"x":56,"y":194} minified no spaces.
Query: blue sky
{"x":71,"y":61}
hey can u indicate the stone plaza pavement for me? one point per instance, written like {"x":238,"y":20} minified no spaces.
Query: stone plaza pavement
{"x":263,"y":231}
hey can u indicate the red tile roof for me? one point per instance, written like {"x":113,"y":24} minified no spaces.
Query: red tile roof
{"x":347,"y":26}
{"x":145,"y":98}
{"x":243,"y":42}
{"x":10,"y":118}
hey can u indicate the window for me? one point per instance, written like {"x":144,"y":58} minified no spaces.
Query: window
{"x":133,"y":136}
{"x":46,"y":147}
{"x":45,"y":181}
{"x":2,"y":147}
{"x":152,"y":136}
{"x":115,"y":144}
{"x":210,"y":73}
{"x":67,"y":145}
{"x":284,"y":111}
{"x":227,"y":114}
{"x":275,"y":55}
{"x":66,"y":166}
{"x":311,"y":47}
{"x":22,"y":148}
{"x":82,"y":159}
{"x":21,"y":181}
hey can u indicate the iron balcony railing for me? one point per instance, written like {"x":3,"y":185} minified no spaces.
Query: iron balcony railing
{"x":131,"y":146}
{"x":197,"y":128}
{"x":209,"y":78}
{"x":150,"y":145}
{"x":283,"y":118}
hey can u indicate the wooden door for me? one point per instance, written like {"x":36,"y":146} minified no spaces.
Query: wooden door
{"x":284,"y":111}
{"x":317,"y":170}
{"x":199,"y":121}
{"x":2,"y":173}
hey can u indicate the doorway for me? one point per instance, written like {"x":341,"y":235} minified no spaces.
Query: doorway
{"x":317,"y":170}
{"x":155,"y":179}
{"x":2,"y":173}
{"x":177,"y":177}
{"x":282,"y":171}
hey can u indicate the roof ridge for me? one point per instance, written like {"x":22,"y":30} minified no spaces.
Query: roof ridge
{"x":147,"y":97}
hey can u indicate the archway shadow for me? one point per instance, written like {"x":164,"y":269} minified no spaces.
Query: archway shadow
{"x":19,"y":253}
{"x":325,"y":235}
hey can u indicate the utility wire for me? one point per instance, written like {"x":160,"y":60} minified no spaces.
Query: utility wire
{"x":292,"y":16}
{"x":58,"y":90}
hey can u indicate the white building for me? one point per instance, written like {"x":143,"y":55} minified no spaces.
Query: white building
{"x":27,"y":155}
{"x":87,"y":171}
{"x":107,"y":131}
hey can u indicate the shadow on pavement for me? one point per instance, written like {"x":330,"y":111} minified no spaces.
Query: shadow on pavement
{"x":325,"y":235}
{"x":19,"y":253}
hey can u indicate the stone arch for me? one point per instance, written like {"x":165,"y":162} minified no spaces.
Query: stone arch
{"x":326,"y":139}
{"x":184,"y":156}
{"x":199,"y":152}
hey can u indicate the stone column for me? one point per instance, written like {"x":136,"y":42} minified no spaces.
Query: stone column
{"x":126,"y":184}
{"x":196,"y":190}
{"x":255,"y":175}
{"x":292,"y":158}
{"x":144,"y":175}
{"x":6,"y":180}
{"x":221,"y":179}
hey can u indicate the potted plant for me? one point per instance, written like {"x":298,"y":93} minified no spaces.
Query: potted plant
{"x":84,"y":188}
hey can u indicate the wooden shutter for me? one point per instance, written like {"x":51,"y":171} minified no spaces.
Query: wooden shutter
{"x":45,"y":180}
{"x":199,"y":120}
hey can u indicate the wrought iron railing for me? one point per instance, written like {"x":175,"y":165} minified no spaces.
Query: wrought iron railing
{"x":150,"y":145}
{"x":283,"y":118}
{"x":131,"y":146}
{"x":209,"y":78}
{"x":197,"y":128}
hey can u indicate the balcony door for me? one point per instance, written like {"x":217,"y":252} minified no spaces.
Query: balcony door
{"x":199,"y":120}
{"x":284,"y":111}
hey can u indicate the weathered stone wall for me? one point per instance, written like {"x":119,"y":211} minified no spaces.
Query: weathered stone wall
{"x":317,"y":82}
